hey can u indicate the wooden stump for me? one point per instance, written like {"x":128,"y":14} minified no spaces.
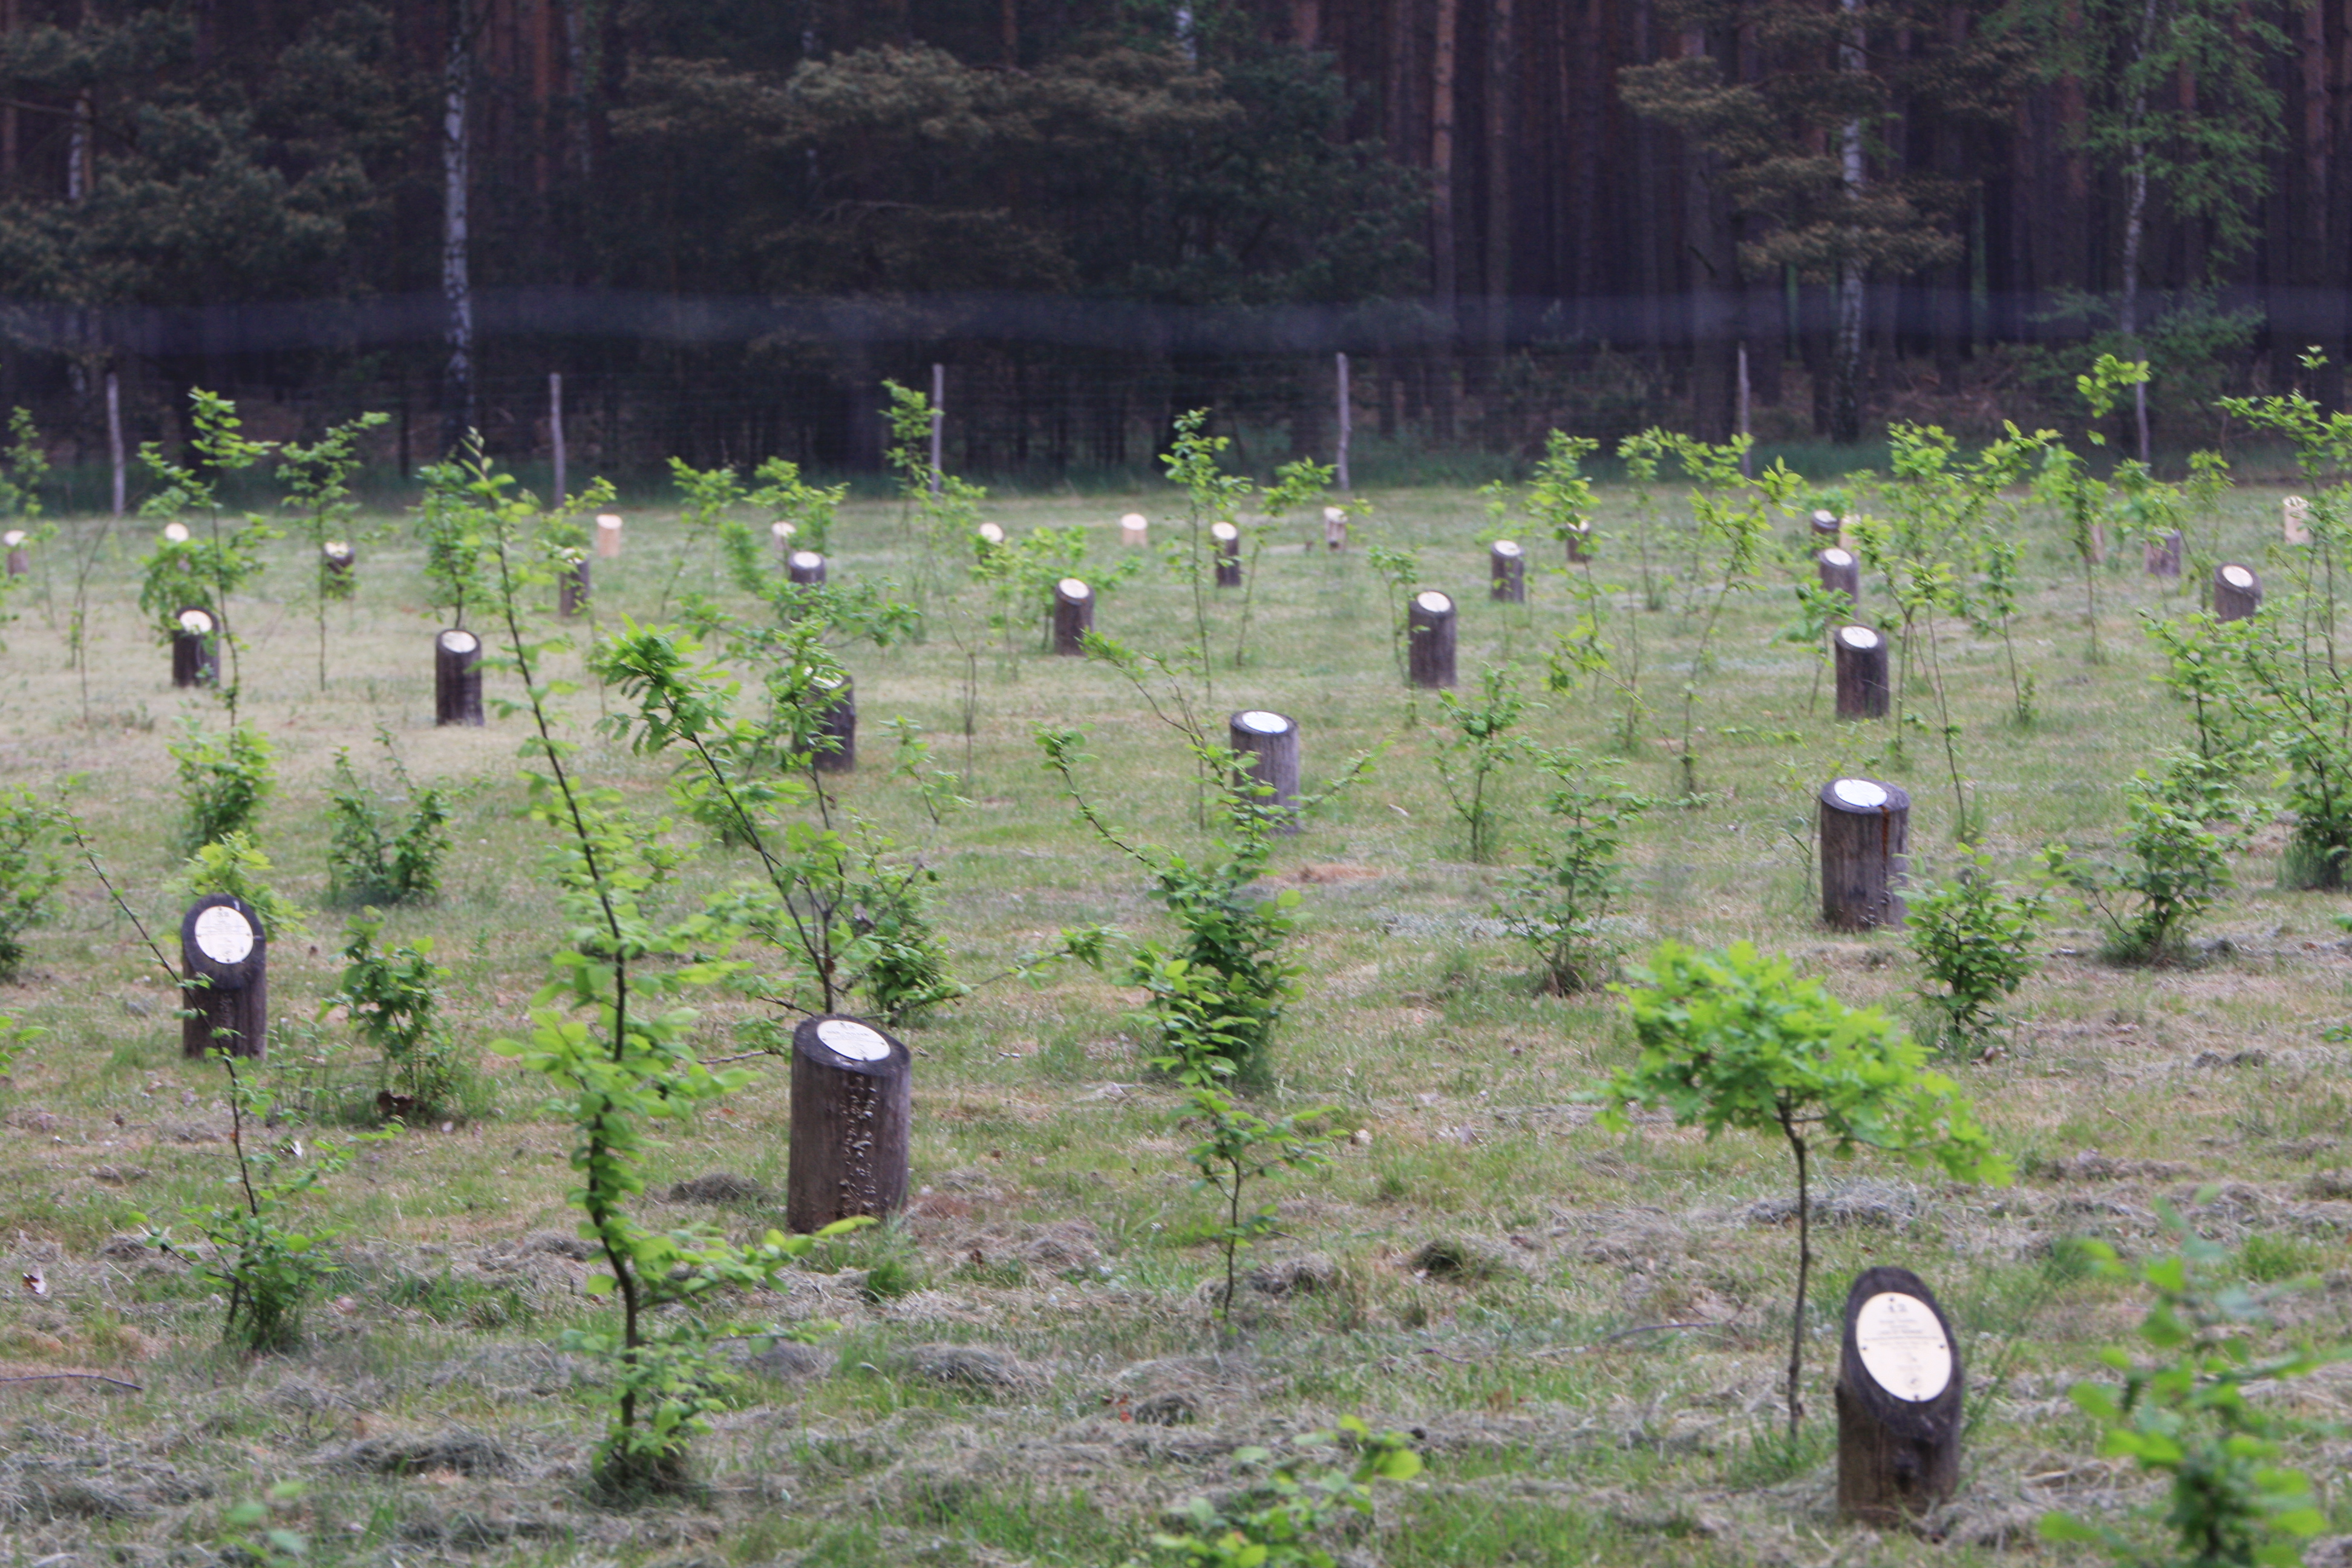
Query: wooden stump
{"x":840,"y":724}
{"x":608,"y":537}
{"x":1429,"y":639}
{"x":1899,"y":1393}
{"x":457,"y":678}
{"x":853,"y":1104}
{"x":1578,"y":536}
{"x":1335,"y":528}
{"x":806,"y":568}
{"x":2295,"y":519}
{"x":2236,"y":591}
{"x":573,"y":587}
{"x":988,"y":536}
{"x":1862,"y":690}
{"x":195,"y":650}
{"x":1227,"y":539}
{"x":1866,"y":827}
{"x":339,"y":558}
{"x":782,"y":533}
{"x":224,"y":979}
{"x":18,"y":563}
{"x":1840,"y":573}
{"x":1134,"y":529}
{"x":2164,"y":556}
{"x":1826,"y":527}
{"x":1074,"y":616}
{"x":1270,"y":742}
{"x":1506,"y":565}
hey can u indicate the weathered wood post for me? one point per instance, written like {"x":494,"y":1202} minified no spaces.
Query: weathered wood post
{"x":1840,"y":573}
{"x":2164,"y":556}
{"x":1335,"y":528}
{"x":2295,"y":519}
{"x":1579,"y":539}
{"x":19,"y":564}
{"x":806,"y":567}
{"x":1074,"y":616}
{"x":195,"y":648}
{"x":224,"y":978}
{"x":338,"y":557}
{"x":1134,"y":529}
{"x":1899,"y":1391}
{"x":853,"y":1110}
{"x":1270,"y":742}
{"x":1227,"y":539}
{"x":1429,"y":639}
{"x":1863,"y":689}
{"x":1865,"y":827}
{"x":2236,"y":591}
{"x":1826,"y":526}
{"x":782,"y":533}
{"x":608,"y":536}
{"x":572,"y":584}
{"x":457,"y":678}
{"x":1506,"y":565}
{"x":840,"y":724}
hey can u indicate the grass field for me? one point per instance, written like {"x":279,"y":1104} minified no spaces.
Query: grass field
{"x":432,"y":1419}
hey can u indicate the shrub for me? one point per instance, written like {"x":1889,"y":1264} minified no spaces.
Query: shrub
{"x":1738,"y":1041}
{"x":236,"y":865}
{"x":379,"y":854}
{"x":1274,"y":1520}
{"x":1471,"y":760}
{"x":2176,"y":863}
{"x":394,"y":997}
{"x":1974,"y":936}
{"x":222,"y":783}
{"x":1560,"y":905}
{"x":31,"y":867}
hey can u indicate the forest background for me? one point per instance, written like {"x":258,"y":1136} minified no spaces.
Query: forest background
{"x":724,"y":223}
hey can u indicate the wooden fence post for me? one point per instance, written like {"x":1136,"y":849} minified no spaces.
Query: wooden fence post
{"x":1899,"y":1394}
{"x":225,"y":979}
{"x":853,"y":1110}
{"x":1134,"y":529}
{"x":2236,"y":591}
{"x":840,"y":722}
{"x":1074,"y":616}
{"x":1227,"y":539}
{"x":195,"y":648}
{"x":1865,"y":828}
{"x":608,"y":536}
{"x":1862,"y":690}
{"x":1430,"y":633}
{"x":457,"y":678}
{"x":806,"y":567}
{"x":1270,"y":742}
{"x":572,"y":585}
{"x":1506,"y":565}
{"x":18,"y":563}
{"x":1840,"y":573}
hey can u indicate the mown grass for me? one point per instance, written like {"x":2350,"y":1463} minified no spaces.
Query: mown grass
{"x":1055,"y":1219}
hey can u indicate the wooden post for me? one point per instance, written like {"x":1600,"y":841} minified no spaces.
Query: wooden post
{"x":1074,"y":616}
{"x":1227,"y":539}
{"x":782,"y":533}
{"x":1899,"y":1391}
{"x":1578,"y":538}
{"x":19,"y":564}
{"x":987,"y":539}
{"x":2236,"y":591}
{"x":840,"y":725}
{"x":1839,"y":573}
{"x":1335,"y":528}
{"x":457,"y":678}
{"x":608,"y":536}
{"x":1863,"y":689}
{"x":224,"y":979}
{"x":938,"y":421}
{"x":853,"y":1110}
{"x":2295,"y":519}
{"x":1429,"y":632}
{"x":1347,"y":428}
{"x":1865,"y":827}
{"x":555,"y":429}
{"x":1134,"y":529}
{"x":1270,"y":742}
{"x":1826,"y":526}
{"x":806,"y":567}
{"x":572,"y":586}
{"x":1506,"y":565}
{"x":195,"y":650}
{"x":114,"y":453}
{"x":2164,"y":556}
{"x":338,"y":556}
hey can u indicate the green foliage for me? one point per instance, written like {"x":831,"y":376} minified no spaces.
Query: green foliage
{"x":384,"y":849}
{"x":31,"y":867}
{"x":910,"y":760}
{"x":1399,"y":574}
{"x":1212,"y":496}
{"x":939,"y":510}
{"x":450,"y":526}
{"x":267,"y":1271}
{"x":1974,"y":936}
{"x":2185,"y":819}
{"x":222,"y":783}
{"x":318,"y":487}
{"x":1737,"y":1041}
{"x":1275,"y":1521}
{"x":13,"y":1039}
{"x":236,"y":865}
{"x":250,"y":1536}
{"x":394,"y":997}
{"x":2182,"y":1412}
{"x":1559,"y":906}
{"x":1471,"y":761}
{"x":217,"y":561}
{"x":24,"y":468}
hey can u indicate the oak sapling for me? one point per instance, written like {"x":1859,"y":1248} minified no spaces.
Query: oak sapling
{"x":1275,"y":1518}
{"x":1974,"y":936}
{"x":32,"y":866}
{"x":1473,"y":760}
{"x":224,"y":782}
{"x":1737,"y":1040}
{"x":219,"y":558}
{"x":2185,"y":818}
{"x":318,"y":480}
{"x":393,"y":996}
{"x":1560,"y":905}
{"x":386,"y":848}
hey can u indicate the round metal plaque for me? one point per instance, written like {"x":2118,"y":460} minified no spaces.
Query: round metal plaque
{"x":1258,"y":721}
{"x":1860,"y":794}
{"x":853,"y":1040}
{"x":1436,"y":603}
{"x":1903,"y":1346}
{"x":222,"y":935}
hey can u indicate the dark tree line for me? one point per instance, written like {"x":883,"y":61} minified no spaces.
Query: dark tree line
{"x":726,"y":221}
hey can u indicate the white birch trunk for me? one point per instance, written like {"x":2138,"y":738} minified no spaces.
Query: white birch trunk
{"x":1845,"y":403}
{"x":457,"y":280}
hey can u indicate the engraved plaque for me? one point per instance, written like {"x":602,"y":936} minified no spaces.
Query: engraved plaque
{"x":1903,"y":1346}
